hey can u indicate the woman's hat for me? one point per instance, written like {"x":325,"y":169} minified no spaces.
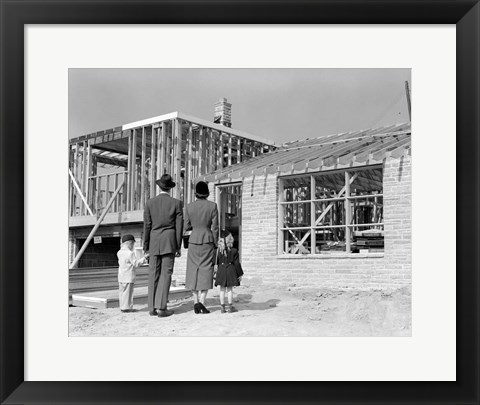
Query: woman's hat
{"x":201,"y":189}
{"x":165,"y":182}
{"x":126,"y":238}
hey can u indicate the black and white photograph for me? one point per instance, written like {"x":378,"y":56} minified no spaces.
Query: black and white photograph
{"x":240,"y":202}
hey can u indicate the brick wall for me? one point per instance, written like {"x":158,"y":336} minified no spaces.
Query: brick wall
{"x":260,"y":240}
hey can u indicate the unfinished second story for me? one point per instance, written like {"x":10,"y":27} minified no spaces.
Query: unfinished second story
{"x":114,"y":171}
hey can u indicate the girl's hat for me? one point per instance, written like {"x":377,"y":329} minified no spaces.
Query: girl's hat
{"x":225,"y":233}
{"x":201,"y":189}
{"x":126,"y":238}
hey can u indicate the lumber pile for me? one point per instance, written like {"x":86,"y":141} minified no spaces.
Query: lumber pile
{"x":90,"y":279}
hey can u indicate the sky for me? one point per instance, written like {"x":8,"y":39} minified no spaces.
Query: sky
{"x":276,"y":104}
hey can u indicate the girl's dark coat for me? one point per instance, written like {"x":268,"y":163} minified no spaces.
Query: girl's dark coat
{"x":229,"y":268}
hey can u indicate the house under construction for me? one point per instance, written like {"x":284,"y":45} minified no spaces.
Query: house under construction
{"x":329,"y":211}
{"x":112,"y":174}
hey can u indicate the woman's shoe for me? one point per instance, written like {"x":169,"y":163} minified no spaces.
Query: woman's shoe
{"x":231,"y":308}
{"x":222,"y":309}
{"x":203,"y":309}
{"x":196,"y":308}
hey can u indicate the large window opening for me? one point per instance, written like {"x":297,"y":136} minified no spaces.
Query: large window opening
{"x":324,"y":213}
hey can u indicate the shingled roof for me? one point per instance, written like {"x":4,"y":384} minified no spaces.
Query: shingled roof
{"x":349,"y":149}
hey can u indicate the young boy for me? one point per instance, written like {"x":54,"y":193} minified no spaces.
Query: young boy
{"x":127,"y":263}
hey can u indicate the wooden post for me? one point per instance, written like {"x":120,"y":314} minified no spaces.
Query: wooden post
{"x":222,"y":151}
{"x":129,"y":173}
{"x":211,"y":151}
{"x":229,"y":158}
{"x":312,"y":215}
{"x":115,"y":185}
{"x":348,"y":212}
{"x":88,"y":172}
{"x":239,"y":150}
{"x":203,"y":152}
{"x":142,"y":168}
{"x":83,"y":210}
{"x":281,"y":224}
{"x":177,"y":156}
{"x":162,"y":147}
{"x":168,"y":150}
{"x":188,"y":165}
{"x":97,"y":224}
{"x":133,"y":185}
{"x":107,"y":190}
{"x":153,"y":163}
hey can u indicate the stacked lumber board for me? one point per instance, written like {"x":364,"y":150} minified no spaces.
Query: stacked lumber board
{"x":109,"y":298}
{"x":89,"y":279}
{"x":97,"y":287}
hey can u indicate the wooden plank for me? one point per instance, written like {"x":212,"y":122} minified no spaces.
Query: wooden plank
{"x":177,"y":157}
{"x":161,"y":150}
{"x":87,"y":175}
{"x":280,"y":215}
{"x":107,"y":190}
{"x":239,"y":150}
{"x":313,"y":213}
{"x":348,"y":213}
{"x":222,"y":150}
{"x":168,"y":150}
{"x":133,"y":176}
{"x":126,"y":191}
{"x":79,"y":191}
{"x":115,"y":185}
{"x":142,"y":168}
{"x":229,"y":156}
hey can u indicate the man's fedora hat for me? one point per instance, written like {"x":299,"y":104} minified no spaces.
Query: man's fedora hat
{"x":165,"y":182}
{"x":201,"y":189}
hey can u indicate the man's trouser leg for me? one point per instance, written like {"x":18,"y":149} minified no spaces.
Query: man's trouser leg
{"x":163,"y":287}
{"x":153,"y":277}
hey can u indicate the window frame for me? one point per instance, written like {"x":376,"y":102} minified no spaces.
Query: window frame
{"x":346,"y":198}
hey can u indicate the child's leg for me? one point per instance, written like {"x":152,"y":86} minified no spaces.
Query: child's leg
{"x":130,"y":295}
{"x":230,"y":295}
{"x":222,"y":295}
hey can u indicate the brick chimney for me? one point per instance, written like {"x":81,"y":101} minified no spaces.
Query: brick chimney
{"x":223,"y":113}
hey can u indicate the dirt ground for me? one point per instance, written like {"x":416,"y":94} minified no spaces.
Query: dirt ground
{"x":262,"y":311}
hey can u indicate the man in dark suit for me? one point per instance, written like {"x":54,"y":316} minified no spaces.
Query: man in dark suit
{"x":163,"y":229}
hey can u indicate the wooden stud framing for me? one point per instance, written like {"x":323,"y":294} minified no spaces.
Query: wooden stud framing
{"x":280,"y":218}
{"x":142,"y":168}
{"x":239,"y":150}
{"x":153,"y":163}
{"x":229,"y":158}
{"x":162,"y":151}
{"x":211,"y":151}
{"x":178,"y":157}
{"x":203,"y":151}
{"x":168,"y":150}
{"x":188,"y":165}
{"x":133,"y":184}
{"x":348,"y":213}
{"x":313,"y":215}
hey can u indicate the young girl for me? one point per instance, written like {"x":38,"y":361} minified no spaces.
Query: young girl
{"x":228,"y":270}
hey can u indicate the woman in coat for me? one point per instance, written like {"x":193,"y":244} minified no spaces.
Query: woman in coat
{"x":201,"y":216}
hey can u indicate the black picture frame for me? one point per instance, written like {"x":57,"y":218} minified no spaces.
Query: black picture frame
{"x":16,"y":14}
